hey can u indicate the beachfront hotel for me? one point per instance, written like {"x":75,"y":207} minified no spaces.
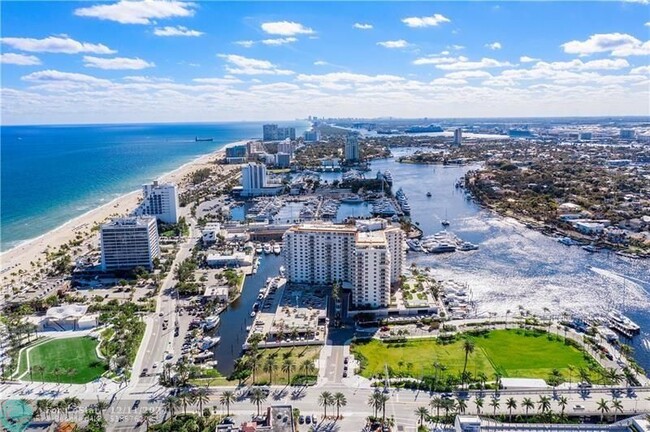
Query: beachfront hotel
{"x":367,"y":256}
{"x":254,"y":181}
{"x":159,"y":200}
{"x":129,"y":242}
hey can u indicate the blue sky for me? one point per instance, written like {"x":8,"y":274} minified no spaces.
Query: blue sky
{"x":87,"y":62}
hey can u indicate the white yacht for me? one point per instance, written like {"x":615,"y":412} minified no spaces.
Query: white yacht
{"x":208,"y":342}
{"x":277,"y":249}
{"x":618,"y":320}
{"x":211,"y":322}
{"x":267,"y":248}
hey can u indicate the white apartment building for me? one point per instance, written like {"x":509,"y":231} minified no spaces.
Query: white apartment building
{"x":159,"y":200}
{"x":458,"y":137}
{"x":321,"y":253}
{"x":129,"y":242}
{"x":352,"y":147}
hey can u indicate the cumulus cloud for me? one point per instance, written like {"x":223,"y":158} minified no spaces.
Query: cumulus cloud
{"x":641,"y":70}
{"x":176,"y":31}
{"x":218,"y":80}
{"x":56,"y":44}
{"x":460,"y":63}
{"x":463,"y":75}
{"x":19,"y":59}
{"x":348,"y":78}
{"x":245,"y":43}
{"x":362,"y":26}
{"x":401,"y":43}
{"x":279,"y":41}
{"x":526,"y":59}
{"x":603,"y":64}
{"x":435,"y":60}
{"x":240,"y":65}
{"x":320,"y":63}
{"x":493,"y":46}
{"x":617,"y":44}
{"x":58,"y":76}
{"x":286,"y":28}
{"x":138,"y":12}
{"x":116,"y":63}
{"x":427,"y":21}
{"x":145,"y":79}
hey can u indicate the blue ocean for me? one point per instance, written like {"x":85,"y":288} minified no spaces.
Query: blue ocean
{"x":51,"y":174}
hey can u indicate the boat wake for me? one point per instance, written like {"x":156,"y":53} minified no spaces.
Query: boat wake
{"x":629,"y":281}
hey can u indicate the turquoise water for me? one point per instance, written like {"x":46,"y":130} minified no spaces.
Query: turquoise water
{"x":51,"y":174}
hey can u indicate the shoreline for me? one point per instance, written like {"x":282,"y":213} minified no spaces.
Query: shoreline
{"x":20,"y":256}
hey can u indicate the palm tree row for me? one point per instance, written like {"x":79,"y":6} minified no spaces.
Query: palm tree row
{"x":337,"y":400}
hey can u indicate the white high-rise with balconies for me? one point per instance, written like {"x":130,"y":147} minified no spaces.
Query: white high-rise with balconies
{"x":352,"y":148}
{"x":371,"y":260}
{"x":129,"y":242}
{"x":161,"y":201}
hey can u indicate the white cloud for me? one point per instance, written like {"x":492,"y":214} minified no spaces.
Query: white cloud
{"x":447,"y":81}
{"x":602,"y":64}
{"x":279,"y":41}
{"x":456,"y":47}
{"x":618,"y":44}
{"x":468,"y":74}
{"x":176,"y":31}
{"x":641,"y":70}
{"x":19,"y":59}
{"x":116,"y":63}
{"x":362,"y":26}
{"x":493,"y":46}
{"x":347,"y":77}
{"x":138,"y":12}
{"x":245,"y":43}
{"x":240,"y":65}
{"x":320,"y":63}
{"x":435,"y":60}
{"x":286,"y":28}
{"x":464,"y":64}
{"x":56,"y":44}
{"x":56,"y":76}
{"x":218,"y":81}
{"x":647,"y":24}
{"x":427,"y":21}
{"x":401,"y":43}
{"x":526,"y":59}
{"x":146,"y":79}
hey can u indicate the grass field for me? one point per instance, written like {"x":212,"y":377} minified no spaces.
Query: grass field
{"x":297,"y":354}
{"x":513,"y":353}
{"x":75,"y":357}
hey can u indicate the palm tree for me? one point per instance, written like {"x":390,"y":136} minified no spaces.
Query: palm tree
{"x":461,"y":405}
{"x":90,"y":415}
{"x":618,"y":408}
{"x":269,"y":367}
{"x":41,"y":408}
{"x":253,"y":363}
{"x":602,"y":407}
{"x":324,"y":400}
{"x":57,"y":372}
{"x":422,"y":413}
{"x":40,"y":369}
{"x":436,"y":403}
{"x":227,"y":397}
{"x":374,"y":401}
{"x":482,"y":379}
{"x":528,"y":404}
{"x":307,"y":367}
{"x":201,"y":397}
{"x":383,"y":398}
{"x":544,"y":404}
{"x":494,"y":403}
{"x":572,"y":369}
{"x":511,"y":403}
{"x":584,"y":375}
{"x":468,"y":347}
{"x":288,"y":367}
{"x":257,"y":396}
{"x":478,"y":401}
{"x":339,"y":401}
{"x":146,"y":417}
{"x":562,"y":403}
{"x":171,"y":403}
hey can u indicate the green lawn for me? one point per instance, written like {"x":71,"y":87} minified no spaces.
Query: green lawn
{"x":513,"y":353}
{"x":69,"y":354}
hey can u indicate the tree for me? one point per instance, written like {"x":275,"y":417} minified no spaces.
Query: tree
{"x":57,"y":372}
{"x":511,"y":404}
{"x":494,"y":403}
{"x":339,"y":401}
{"x":618,"y":408}
{"x":562,"y":403}
{"x":422,"y":413}
{"x":288,"y":367}
{"x":171,"y":403}
{"x":374,"y":401}
{"x":325,"y":399}
{"x":269,"y":367}
{"x":40,"y":369}
{"x":201,"y":397}
{"x":478,"y":401}
{"x":227,"y":397}
{"x":253,"y":363}
{"x":603,"y":407}
{"x":544,"y":404}
{"x":436,"y":403}
{"x":528,"y":404}
{"x":307,"y":367}
{"x":461,"y":405}
{"x":257,"y":396}
{"x":146,"y":417}
{"x":468,"y":347}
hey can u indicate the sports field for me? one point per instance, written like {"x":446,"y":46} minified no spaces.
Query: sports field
{"x":74,"y":359}
{"x":513,"y":353}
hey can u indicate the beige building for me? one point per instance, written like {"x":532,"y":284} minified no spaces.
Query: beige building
{"x":371,"y":260}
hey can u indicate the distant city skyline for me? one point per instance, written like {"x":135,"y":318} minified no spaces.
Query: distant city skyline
{"x":153,"y":61}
